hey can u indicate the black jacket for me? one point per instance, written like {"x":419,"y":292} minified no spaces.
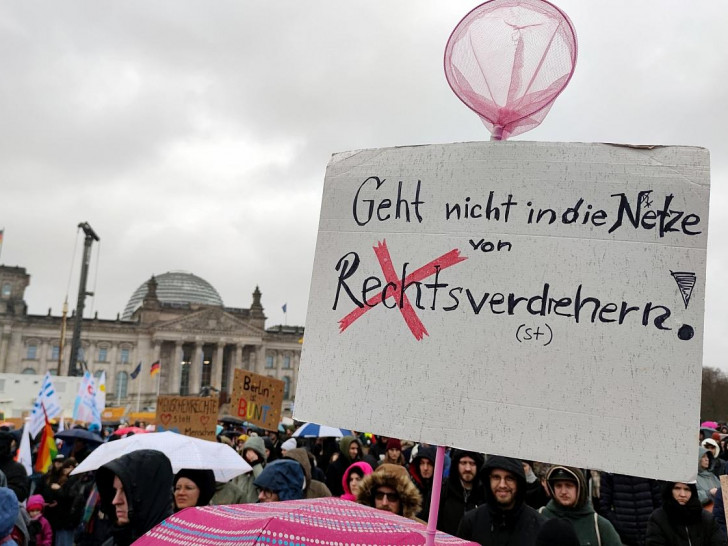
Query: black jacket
{"x":424,"y":486}
{"x":454,"y":500}
{"x":147,"y":479}
{"x":490,"y":525}
{"x":627,"y":502}
{"x":689,"y":525}
{"x":15,"y":472}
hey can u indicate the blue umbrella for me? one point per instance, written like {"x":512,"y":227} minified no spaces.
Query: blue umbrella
{"x":79,"y":434}
{"x":312,"y":430}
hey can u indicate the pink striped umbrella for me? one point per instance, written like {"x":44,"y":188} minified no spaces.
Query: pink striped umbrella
{"x":320,"y":522}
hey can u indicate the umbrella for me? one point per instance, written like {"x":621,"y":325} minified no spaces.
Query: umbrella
{"x":79,"y":434}
{"x":709,"y":424}
{"x":126,"y":430}
{"x":327,"y":520}
{"x":312,"y":430}
{"x":182,"y":451}
{"x":230,"y":420}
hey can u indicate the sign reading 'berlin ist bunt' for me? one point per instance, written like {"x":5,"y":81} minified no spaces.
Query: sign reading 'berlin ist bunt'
{"x":257,"y":399}
{"x":538,"y":300}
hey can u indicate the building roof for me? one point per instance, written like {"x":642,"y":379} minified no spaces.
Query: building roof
{"x":175,"y":287}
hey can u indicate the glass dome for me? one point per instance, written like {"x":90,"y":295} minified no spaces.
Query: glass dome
{"x":176,"y":287}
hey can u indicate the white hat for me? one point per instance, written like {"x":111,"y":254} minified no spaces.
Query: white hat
{"x":289,"y":444}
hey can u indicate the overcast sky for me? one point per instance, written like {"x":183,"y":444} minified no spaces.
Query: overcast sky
{"x":195,"y":135}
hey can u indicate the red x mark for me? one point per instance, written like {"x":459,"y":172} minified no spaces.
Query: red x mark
{"x":408,"y":313}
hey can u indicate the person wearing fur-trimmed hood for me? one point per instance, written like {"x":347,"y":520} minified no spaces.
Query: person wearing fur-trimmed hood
{"x":570,"y":500}
{"x":390,"y":488}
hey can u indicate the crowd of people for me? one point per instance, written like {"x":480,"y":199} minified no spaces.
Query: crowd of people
{"x":492,"y":500}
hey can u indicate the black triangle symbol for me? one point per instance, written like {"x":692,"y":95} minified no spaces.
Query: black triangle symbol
{"x":685,"y":282}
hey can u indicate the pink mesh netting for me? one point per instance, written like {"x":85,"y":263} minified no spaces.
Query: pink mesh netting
{"x":508,"y":60}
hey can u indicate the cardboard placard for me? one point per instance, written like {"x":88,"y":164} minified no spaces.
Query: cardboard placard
{"x":188,"y":415}
{"x":552,"y":307}
{"x":257,"y":399}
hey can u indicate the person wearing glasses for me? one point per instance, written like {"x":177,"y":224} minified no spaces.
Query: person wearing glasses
{"x":390,"y":488}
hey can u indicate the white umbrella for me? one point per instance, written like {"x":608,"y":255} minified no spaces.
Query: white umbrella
{"x":312,"y":430}
{"x":182,"y":451}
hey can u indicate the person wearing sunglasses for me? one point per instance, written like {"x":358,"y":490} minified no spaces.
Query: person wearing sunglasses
{"x":390,"y":488}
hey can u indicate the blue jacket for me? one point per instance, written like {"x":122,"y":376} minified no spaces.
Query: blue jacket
{"x":8,"y":511}
{"x":284,"y":477}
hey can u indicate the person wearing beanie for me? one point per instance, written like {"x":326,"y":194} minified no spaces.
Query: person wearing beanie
{"x":135,"y":491}
{"x":557,"y":532}
{"x":353,"y":477}
{"x":38,"y":526}
{"x":350,"y":451}
{"x":422,"y":472}
{"x":390,"y":488}
{"x":462,"y":491}
{"x":707,"y":482}
{"x":505,"y":518}
{"x":193,"y":487}
{"x":288,"y":445}
{"x":570,"y":500}
{"x":393,"y":455}
{"x":281,"y":480}
{"x":682,"y":520}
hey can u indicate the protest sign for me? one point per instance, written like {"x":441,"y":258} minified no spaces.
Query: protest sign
{"x":257,"y":399}
{"x":188,"y":415}
{"x":552,"y":307}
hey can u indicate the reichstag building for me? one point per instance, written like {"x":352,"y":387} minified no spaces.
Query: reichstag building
{"x":175,"y":318}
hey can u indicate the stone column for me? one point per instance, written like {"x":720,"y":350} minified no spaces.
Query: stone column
{"x":216,"y":371}
{"x":196,"y":370}
{"x":260,"y":359}
{"x":238,"y":358}
{"x":175,"y":369}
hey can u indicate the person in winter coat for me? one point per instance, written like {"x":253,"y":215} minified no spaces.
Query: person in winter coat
{"x":422,"y":472}
{"x":40,"y":530}
{"x":717,"y":465}
{"x":193,"y":487}
{"x":135,"y":493}
{"x":462,"y":491}
{"x":240,"y":490}
{"x":570,"y":500}
{"x":557,"y":532}
{"x":9,"y":509}
{"x":505,"y":518}
{"x":350,"y":451}
{"x":14,"y":472}
{"x":353,"y":477}
{"x":389,"y":488}
{"x":627,"y":502}
{"x":393,"y":455}
{"x":681,"y":521}
{"x":707,"y":482}
{"x":281,"y":480}
{"x":313,"y":489}
{"x":719,"y":512}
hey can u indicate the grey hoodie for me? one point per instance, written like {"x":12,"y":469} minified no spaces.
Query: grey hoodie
{"x":706,"y":480}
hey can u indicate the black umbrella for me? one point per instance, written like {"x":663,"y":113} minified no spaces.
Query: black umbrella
{"x":80,"y":434}
{"x":230,"y":420}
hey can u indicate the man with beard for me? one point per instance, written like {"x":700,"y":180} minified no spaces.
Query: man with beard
{"x":462,"y":491}
{"x":505,"y":518}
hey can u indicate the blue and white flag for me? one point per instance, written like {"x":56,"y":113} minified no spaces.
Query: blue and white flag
{"x":48,"y":399}
{"x":84,"y":409}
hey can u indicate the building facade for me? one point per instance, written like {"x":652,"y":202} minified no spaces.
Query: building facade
{"x":177,"y":319}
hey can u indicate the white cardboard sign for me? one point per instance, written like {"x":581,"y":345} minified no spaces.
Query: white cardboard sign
{"x":552,"y":309}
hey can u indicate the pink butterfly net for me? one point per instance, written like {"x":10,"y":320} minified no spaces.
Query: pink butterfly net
{"x":508,"y":60}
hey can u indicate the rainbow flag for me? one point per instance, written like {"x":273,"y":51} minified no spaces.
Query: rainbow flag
{"x":47,"y":450}
{"x":154,"y":370}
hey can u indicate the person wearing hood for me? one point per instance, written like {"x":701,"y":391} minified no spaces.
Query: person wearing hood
{"x":352,"y":479}
{"x":350,"y":451}
{"x":38,"y":527}
{"x":135,"y":491}
{"x":314,"y":489}
{"x":462,"y":491}
{"x":14,"y":471}
{"x":570,"y":500}
{"x":707,"y":482}
{"x":241,"y":490}
{"x":681,"y":521}
{"x":281,"y":480}
{"x":557,"y":532}
{"x":193,"y":487}
{"x":9,"y":511}
{"x":505,"y":518}
{"x":628,"y":502}
{"x":390,"y":488}
{"x":717,"y":465}
{"x":422,"y":472}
